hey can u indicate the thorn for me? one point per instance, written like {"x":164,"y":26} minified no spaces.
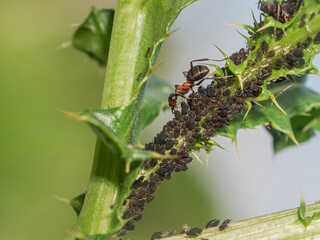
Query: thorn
{"x":65,"y":200}
{"x":224,"y":55}
{"x":139,"y":145}
{"x":64,"y":45}
{"x":127,"y":169}
{"x":264,"y":27}
{"x":194,"y":154}
{"x":76,"y":116}
{"x":173,"y":31}
{"x":236,"y":146}
{"x":293,"y":138}
{"x":207,"y":158}
{"x":254,"y":19}
{"x":74,"y":25}
{"x":243,"y":35}
{"x":301,"y":197}
{"x":249,"y":104}
{"x":273,"y":99}
{"x":246,"y":27}
{"x":158,"y":65}
{"x":240,"y":81}
{"x":75,"y":234}
{"x":214,"y":143}
{"x":260,"y":105}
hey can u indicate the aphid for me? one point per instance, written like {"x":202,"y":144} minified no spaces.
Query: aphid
{"x":312,"y":16}
{"x":271,"y":54}
{"x":197,"y":74}
{"x":212,"y":223}
{"x":194,"y":231}
{"x":317,"y":37}
{"x":169,"y":144}
{"x":302,"y":23}
{"x":139,"y":76}
{"x":298,"y":53}
{"x":259,"y":55}
{"x":265,"y":46}
{"x":129,"y":226}
{"x":224,"y":224}
{"x":278,"y":62}
{"x":148,"y":51}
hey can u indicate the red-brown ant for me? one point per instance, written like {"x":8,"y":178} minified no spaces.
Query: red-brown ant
{"x":196,"y":73}
{"x":275,"y":10}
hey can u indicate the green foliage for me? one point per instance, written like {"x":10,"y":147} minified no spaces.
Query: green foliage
{"x":300,"y":103}
{"x":118,"y":127}
{"x":124,"y":114}
{"x":94,"y":34}
{"x":302,"y":106}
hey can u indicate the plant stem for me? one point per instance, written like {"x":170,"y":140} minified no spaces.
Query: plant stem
{"x":280,"y":225}
{"x":120,"y":87}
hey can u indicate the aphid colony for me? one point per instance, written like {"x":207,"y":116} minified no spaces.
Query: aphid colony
{"x":208,"y":109}
{"x":192,"y":232}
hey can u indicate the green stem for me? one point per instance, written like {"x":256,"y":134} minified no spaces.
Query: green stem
{"x":120,"y":88}
{"x":121,"y":83}
{"x":280,"y":225}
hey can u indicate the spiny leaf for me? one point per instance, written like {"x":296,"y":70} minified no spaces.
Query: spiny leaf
{"x":297,"y":101}
{"x":107,"y":125}
{"x":93,"y":35}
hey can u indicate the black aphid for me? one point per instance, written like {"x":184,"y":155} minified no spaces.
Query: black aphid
{"x":317,"y":37}
{"x":156,"y":235}
{"x":265,"y":46}
{"x":298,"y":53}
{"x":213,"y":223}
{"x":194,"y":231}
{"x":224,"y":224}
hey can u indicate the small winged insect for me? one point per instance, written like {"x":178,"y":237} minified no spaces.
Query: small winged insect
{"x":194,"y":77}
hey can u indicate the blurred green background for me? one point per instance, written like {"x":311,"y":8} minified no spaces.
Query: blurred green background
{"x":44,"y":153}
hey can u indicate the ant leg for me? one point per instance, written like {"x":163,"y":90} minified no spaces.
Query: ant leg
{"x":278,"y":15}
{"x":198,"y":83}
{"x":261,"y":14}
{"x":204,"y":59}
{"x":286,"y":88}
{"x":259,"y":4}
{"x":213,"y":78}
{"x":184,"y":96}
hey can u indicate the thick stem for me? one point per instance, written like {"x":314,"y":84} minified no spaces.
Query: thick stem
{"x":120,"y":87}
{"x":120,"y":81}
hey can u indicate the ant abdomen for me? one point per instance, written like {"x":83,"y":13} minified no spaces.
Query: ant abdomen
{"x":197,"y":72}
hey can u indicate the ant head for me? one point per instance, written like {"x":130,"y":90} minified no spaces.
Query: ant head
{"x":185,"y":73}
{"x":268,"y":7}
{"x":173,"y":97}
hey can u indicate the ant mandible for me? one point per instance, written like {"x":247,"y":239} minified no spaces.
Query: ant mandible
{"x":195,"y":74}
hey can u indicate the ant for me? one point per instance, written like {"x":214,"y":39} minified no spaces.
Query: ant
{"x":195,"y":74}
{"x":275,"y":10}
